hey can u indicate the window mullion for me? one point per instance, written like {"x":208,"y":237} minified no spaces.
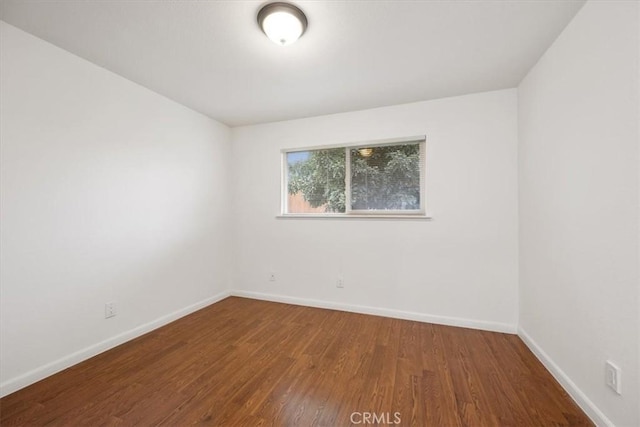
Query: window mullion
{"x":347,"y":180}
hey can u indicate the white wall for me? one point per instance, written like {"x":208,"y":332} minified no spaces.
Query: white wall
{"x":579,"y":207}
{"x":459,"y":268}
{"x":110,"y":192}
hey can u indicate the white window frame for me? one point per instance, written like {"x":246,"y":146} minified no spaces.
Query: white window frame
{"x":351,"y":213}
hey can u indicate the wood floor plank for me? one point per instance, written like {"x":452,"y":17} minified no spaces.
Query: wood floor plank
{"x":243,"y":362}
{"x":440,"y":402}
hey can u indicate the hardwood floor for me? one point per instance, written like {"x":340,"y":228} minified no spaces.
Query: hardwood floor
{"x":249,"y":363}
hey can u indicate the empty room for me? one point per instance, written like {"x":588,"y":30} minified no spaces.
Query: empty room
{"x":320,"y":213}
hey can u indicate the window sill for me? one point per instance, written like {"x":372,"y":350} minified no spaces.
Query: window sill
{"x":421,"y":217}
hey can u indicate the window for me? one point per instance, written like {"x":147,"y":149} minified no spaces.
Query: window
{"x":376,"y":178}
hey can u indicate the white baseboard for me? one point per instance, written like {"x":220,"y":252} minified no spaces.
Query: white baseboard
{"x":385,"y":312}
{"x":570,"y":387}
{"x":65,"y":362}
{"x":51,"y":368}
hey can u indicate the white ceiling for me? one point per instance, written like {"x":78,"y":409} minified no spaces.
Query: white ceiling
{"x":212,"y":57}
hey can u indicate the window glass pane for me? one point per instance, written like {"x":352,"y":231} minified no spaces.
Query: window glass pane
{"x":316,"y":181}
{"x":385,"y":178}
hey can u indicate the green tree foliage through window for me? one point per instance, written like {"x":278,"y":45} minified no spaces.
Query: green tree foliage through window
{"x":386,"y":178}
{"x":382,"y":178}
{"x":320,"y":178}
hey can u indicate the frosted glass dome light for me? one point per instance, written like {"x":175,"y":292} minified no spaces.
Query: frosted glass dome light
{"x":283,"y":23}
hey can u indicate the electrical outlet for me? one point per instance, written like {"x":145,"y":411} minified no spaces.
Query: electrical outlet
{"x":340,"y":282}
{"x":613,"y":377}
{"x":109,"y":310}
{"x":272,"y":277}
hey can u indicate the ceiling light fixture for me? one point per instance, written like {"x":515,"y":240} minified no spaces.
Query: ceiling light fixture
{"x":283,"y":23}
